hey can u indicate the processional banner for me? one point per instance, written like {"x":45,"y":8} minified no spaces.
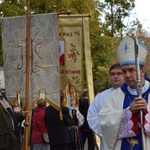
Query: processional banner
{"x":44,"y":56}
{"x":75,"y":52}
{"x":71,"y":51}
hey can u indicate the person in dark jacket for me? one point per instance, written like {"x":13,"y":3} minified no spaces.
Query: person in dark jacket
{"x":58,"y":129}
{"x":86,"y":132}
{"x":9,"y":129}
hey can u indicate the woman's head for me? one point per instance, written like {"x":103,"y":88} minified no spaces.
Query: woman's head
{"x":41,"y":103}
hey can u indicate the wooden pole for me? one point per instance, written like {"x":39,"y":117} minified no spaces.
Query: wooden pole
{"x":26,"y":134}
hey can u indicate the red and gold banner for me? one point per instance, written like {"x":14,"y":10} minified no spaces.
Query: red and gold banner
{"x":72,"y":43}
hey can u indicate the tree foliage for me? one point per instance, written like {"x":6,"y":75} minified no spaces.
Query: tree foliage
{"x":114,"y":13}
{"x":107,"y":24}
{"x":12,"y":8}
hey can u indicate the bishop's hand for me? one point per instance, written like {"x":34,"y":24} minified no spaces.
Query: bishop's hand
{"x":138,"y":103}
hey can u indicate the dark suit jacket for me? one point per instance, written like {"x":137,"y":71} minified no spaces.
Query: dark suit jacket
{"x":58,"y":129}
{"x":83,"y":108}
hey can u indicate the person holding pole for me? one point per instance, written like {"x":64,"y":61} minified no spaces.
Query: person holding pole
{"x":120,"y":117}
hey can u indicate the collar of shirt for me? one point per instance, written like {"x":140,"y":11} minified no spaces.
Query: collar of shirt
{"x":144,"y":88}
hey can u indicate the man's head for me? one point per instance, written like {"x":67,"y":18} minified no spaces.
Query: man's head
{"x":126,"y":56}
{"x":116,"y":77}
{"x":129,"y":73}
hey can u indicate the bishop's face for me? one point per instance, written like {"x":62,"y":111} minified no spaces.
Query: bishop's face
{"x":129,"y":73}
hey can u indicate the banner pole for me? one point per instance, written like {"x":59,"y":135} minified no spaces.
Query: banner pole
{"x":26,"y":134}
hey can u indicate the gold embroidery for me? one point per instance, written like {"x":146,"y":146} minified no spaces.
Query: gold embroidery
{"x":132,"y":142}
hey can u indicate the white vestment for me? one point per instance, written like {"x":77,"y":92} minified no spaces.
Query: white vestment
{"x":94,"y":109}
{"x":110,"y":118}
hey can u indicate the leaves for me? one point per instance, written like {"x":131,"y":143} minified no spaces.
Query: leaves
{"x":106,"y":24}
{"x":115,"y":12}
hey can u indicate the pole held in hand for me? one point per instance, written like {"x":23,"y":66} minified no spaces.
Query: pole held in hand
{"x":139,"y":89}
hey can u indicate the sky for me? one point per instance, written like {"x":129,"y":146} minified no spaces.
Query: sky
{"x":142,"y":11}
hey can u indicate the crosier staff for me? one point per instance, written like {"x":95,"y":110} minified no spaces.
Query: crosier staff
{"x":139,"y":90}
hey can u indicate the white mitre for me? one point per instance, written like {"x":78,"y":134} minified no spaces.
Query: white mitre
{"x":126,"y":53}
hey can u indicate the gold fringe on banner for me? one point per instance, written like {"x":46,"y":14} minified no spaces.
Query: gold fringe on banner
{"x":42,"y":94}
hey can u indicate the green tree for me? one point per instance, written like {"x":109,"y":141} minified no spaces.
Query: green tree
{"x":113,"y":16}
{"x":101,"y":50}
{"x":106,"y":25}
{"x":10,"y":8}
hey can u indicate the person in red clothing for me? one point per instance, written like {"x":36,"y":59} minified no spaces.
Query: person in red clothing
{"x":38,"y":127}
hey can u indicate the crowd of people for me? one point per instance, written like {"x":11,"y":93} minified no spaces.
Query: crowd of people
{"x":65,"y":134}
{"x":120,"y":115}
